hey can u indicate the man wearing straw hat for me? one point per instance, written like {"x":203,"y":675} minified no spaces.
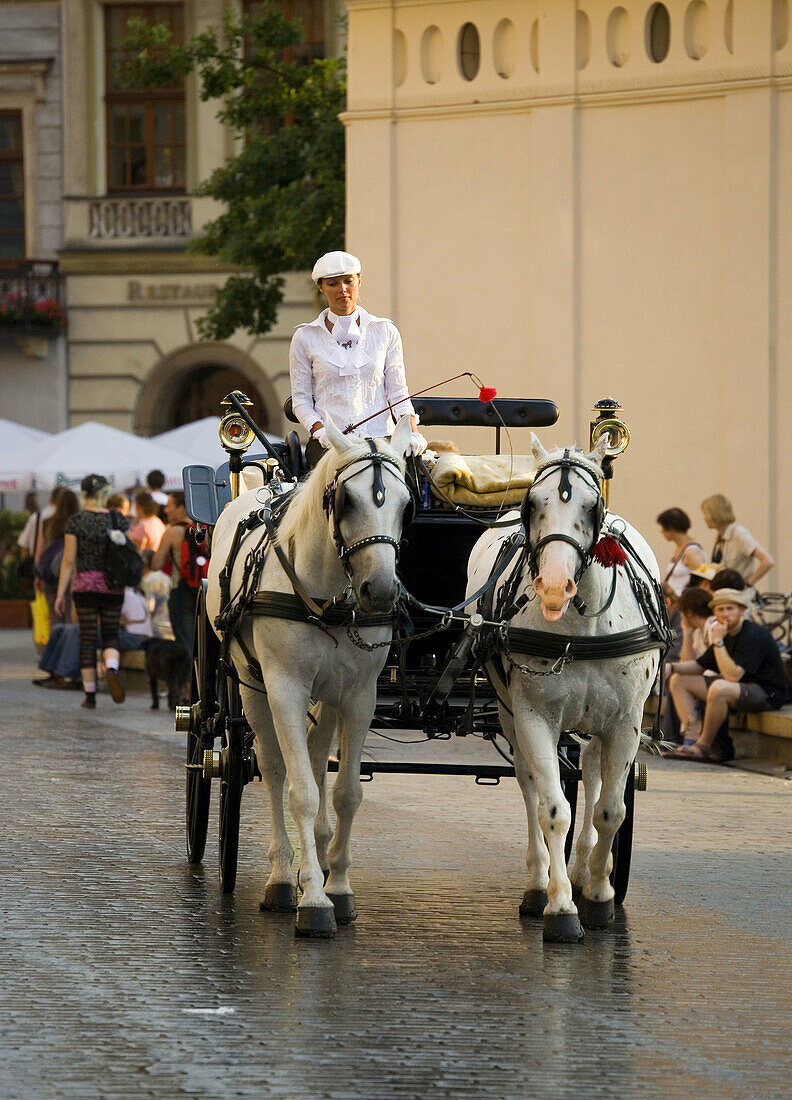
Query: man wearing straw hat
{"x":748,"y":676}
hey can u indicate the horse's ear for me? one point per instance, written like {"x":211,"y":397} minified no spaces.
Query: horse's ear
{"x":537,"y":449}
{"x":400,"y":440}
{"x":601,"y":448}
{"x":340,"y":441}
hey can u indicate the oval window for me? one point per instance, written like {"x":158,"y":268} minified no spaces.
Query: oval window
{"x":658,"y":32}
{"x":696,"y":30}
{"x":432,"y":55}
{"x":399,"y":58}
{"x":535,"y":45}
{"x":469,"y":51}
{"x":617,"y":37}
{"x":504,"y":47}
{"x":582,"y":39}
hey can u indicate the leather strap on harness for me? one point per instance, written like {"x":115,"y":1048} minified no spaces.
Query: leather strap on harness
{"x":538,"y":643}
{"x":285,"y":605}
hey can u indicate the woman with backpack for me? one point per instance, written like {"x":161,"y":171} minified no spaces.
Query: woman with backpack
{"x":49,"y":552}
{"x":83,"y":566}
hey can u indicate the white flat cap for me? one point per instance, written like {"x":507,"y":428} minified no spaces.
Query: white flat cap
{"x":335,"y":263}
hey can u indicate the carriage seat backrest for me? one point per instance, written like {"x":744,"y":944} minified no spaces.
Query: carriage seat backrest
{"x":207,"y":492}
{"x":470,"y":412}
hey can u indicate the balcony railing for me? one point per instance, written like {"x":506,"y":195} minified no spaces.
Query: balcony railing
{"x":135,"y":218}
{"x":31,"y":298}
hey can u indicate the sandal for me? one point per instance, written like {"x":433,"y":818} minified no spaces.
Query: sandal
{"x":696,"y":751}
{"x":680,"y":751}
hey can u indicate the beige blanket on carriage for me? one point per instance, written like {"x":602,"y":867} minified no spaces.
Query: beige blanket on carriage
{"x":484,"y":481}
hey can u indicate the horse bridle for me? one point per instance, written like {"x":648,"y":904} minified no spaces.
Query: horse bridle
{"x":335,"y":492}
{"x":533,"y":549}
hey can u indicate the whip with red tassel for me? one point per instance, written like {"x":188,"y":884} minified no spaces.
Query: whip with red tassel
{"x":486,"y":394}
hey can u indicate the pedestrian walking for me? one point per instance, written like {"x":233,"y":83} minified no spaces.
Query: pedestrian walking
{"x":49,"y":553}
{"x":96,"y":604}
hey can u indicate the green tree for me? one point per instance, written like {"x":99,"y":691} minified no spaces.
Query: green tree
{"x":283,"y":192}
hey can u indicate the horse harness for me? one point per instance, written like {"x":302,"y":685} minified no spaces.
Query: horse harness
{"x":566,"y":464}
{"x":502,"y":640}
{"x":300,"y":606}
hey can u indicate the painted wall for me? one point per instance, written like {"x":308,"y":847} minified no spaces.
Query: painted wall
{"x":580,"y":221}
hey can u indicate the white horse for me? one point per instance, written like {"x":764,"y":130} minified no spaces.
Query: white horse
{"x":563,"y":515}
{"x":341,"y":531}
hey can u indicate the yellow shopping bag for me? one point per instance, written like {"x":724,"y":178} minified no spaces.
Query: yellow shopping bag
{"x":41,"y":620}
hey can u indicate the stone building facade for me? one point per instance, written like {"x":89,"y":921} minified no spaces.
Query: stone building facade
{"x":588,"y":199}
{"x":110,"y":176}
{"x":33,"y":363}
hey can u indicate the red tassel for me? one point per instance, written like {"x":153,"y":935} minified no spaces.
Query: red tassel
{"x":608,"y":552}
{"x":486,"y":393}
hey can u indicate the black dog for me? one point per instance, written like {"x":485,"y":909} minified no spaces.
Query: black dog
{"x":168,"y":661}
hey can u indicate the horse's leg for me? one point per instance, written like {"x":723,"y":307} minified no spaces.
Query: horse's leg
{"x":280,"y":893}
{"x":538,"y":742}
{"x":289,"y":704}
{"x":590,"y":767}
{"x":537,"y":858}
{"x":618,"y":752}
{"x":355,"y":720}
{"x":320,"y":740}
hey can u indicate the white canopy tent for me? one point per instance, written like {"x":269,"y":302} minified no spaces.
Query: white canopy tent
{"x":15,"y":437}
{"x":201,"y":442}
{"x":65,"y":459}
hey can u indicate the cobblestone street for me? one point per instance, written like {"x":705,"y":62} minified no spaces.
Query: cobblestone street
{"x":127,"y":974}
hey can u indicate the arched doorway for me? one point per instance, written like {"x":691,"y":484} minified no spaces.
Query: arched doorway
{"x":190,"y":383}
{"x":199,"y":393}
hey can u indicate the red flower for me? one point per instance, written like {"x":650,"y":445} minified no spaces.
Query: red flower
{"x":486,"y":393}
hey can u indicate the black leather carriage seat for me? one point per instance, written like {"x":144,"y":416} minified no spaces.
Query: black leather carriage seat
{"x":515,"y":411}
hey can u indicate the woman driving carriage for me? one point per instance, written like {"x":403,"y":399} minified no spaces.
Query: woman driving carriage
{"x":347,"y":363}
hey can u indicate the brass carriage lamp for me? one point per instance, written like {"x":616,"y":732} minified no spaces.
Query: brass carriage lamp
{"x":608,"y":419}
{"x":236,"y":435}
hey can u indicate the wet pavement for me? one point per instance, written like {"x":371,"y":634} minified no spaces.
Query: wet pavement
{"x":125,"y":973}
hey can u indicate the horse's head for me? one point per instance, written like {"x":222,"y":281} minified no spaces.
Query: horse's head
{"x":562,"y":514}
{"x":366,"y":501}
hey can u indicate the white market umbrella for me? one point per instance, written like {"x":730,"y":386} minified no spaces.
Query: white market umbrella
{"x":14,"y":437}
{"x":201,"y":442}
{"x":65,"y":459}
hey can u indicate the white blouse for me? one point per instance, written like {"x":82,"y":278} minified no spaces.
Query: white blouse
{"x":349,"y":383}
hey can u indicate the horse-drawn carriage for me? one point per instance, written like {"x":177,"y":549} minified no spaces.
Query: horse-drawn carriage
{"x":282,"y":670}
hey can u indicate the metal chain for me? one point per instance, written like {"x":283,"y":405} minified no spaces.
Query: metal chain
{"x":369,"y":647}
{"x":555,"y":669}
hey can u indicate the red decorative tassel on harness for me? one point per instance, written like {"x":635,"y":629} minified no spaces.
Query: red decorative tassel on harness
{"x":608,"y":552}
{"x":487,"y":393}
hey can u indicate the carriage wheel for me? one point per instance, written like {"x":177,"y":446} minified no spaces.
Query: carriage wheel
{"x":622,"y":842}
{"x":232,"y":782}
{"x":202,"y":700}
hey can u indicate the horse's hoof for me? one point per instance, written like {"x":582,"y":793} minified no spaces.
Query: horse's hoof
{"x":596,"y":914}
{"x":316,"y":920}
{"x":344,"y":906}
{"x":279,"y":897}
{"x":562,"y":928}
{"x":534,"y":903}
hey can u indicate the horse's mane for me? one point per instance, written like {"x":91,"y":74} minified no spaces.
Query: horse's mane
{"x":307,"y":503}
